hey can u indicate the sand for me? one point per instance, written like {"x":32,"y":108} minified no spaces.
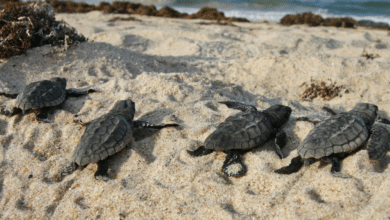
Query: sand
{"x":176,"y":71}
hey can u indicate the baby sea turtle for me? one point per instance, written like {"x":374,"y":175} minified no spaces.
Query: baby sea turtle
{"x":41,"y":96}
{"x":244,"y":131}
{"x":333,"y":138}
{"x":106,"y":136}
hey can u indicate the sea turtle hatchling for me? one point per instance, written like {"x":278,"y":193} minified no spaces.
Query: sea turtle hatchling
{"x":244,"y":131}
{"x":42,"y":95}
{"x":106,"y":136}
{"x":333,"y":138}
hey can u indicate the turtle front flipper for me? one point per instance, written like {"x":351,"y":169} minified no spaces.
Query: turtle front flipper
{"x":383,"y":121}
{"x":42,"y":115}
{"x":239,"y":106}
{"x":10,"y":112}
{"x":233,"y":165}
{"x":144,"y":124}
{"x":295,"y":165}
{"x":336,"y":166}
{"x":101,"y":173}
{"x":329,"y":110}
{"x":280,"y":142}
{"x":378,"y":145}
{"x":201,"y":151}
{"x":8,"y":95}
{"x":73,"y":92}
{"x":314,"y":122}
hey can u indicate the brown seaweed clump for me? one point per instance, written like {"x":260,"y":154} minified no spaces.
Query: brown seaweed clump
{"x":305,"y":18}
{"x":123,"y":19}
{"x":317,"y":20}
{"x":213,"y":14}
{"x":31,"y":25}
{"x":140,"y":9}
{"x":369,"y":56}
{"x":327,"y":91}
{"x":345,"y":22}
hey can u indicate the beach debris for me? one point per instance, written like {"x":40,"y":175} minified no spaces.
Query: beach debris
{"x":140,"y":9}
{"x":305,"y":18}
{"x":373,"y":24}
{"x":317,"y":20}
{"x":245,"y":131}
{"x":106,"y":136}
{"x":327,"y":91}
{"x":123,"y":19}
{"x":344,"y":22}
{"x":213,"y":14}
{"x":369,"y":56}
{"x":223,"y":23}
{"x":40,"y":96}
{"x":332,"y":139}
{"x":26,"y":25}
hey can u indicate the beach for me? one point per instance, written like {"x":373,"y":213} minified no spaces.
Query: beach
{"x":176,"y":71}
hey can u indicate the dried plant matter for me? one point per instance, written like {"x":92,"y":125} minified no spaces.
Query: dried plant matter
{"x":122,"y":7}
{"x":316,"y":20}
{"x":327,"y":91}
{"x":31,"y":25}
{"x":369,"y":56}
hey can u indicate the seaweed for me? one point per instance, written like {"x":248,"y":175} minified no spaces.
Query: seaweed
{"x":369,"y":56}
{"x":140,"y":9}
{"x":305,"y":18}
{"x":123,"y":19}
{"x":327,"y":91}
{"x":24,"y":26}
{"x":316,"y":20}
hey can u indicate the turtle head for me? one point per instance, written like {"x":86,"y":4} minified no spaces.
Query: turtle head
{"x":366,"y":111}
{"x":126,"y":108}
{"x":59,"y":80}
{"x":278,"y":115}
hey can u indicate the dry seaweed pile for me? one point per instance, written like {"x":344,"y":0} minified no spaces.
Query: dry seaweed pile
{"x":136,"y":8}
{"x":316,"y":20}
{"x":369,"y":56}
{"x":31,"y":25}
{"x":321,"y":89}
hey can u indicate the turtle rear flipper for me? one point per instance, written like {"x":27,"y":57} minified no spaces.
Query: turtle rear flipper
{"x":233,"y":165}
{"x":336,"y":166}
{"x":69,"y":169}
{"x":378,"y":145}
{"x":73,"y":92}
{"x":295,"y":165}
{"x":239,"y":106}
{"x":101,"y":173}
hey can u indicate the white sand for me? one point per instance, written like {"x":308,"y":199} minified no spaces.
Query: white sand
{"x":177,"y":71}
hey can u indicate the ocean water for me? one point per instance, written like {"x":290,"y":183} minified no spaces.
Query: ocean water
{"x":375,"y":10}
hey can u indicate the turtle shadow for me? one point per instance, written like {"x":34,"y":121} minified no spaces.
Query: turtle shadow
{"x":292,"y":138}
{"x":73,"y":105}
{"x":381,"y":165}
{"x":3,"y":127}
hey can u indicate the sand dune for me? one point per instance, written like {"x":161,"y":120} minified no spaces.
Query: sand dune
{"x":176,"y":71}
